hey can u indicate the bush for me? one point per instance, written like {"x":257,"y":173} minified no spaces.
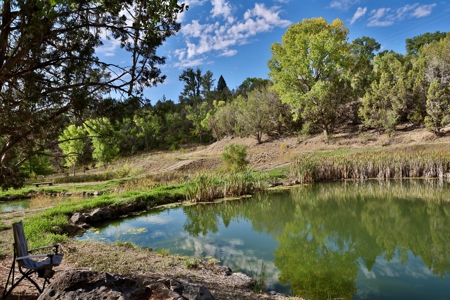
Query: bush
{"x":234,"y":157}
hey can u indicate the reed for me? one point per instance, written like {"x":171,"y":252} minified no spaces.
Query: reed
{"x":208,"y":186}
{"x":402,"y":163}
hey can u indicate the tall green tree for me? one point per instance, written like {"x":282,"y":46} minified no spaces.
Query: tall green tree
{"x":50,"y":67}
{"x":311,"y":52}
{"x":71,"y":142}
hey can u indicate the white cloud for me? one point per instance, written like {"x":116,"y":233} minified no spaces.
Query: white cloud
{"x":191,"y":3}
{"x":423,"y":11}
{"x":283,"y":1}
{"x":228,"y":53}
{"x":403,"y":11}
{"x":379,"y":17}
{"x":387,"y":17}
{"x":220,"y":8}
{"x":201,"y":39}
{"x":343,"y":4}
{"x":358,"y":14}
{"x":189,"y":63}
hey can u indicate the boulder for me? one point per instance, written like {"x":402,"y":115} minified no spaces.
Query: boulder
{"x":83,"y":285}
{"x":100,"y":214}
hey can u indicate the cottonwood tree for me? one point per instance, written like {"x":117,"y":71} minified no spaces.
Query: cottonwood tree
{"x":311,"y":52}
{"x":71,"y":142}
{"x":49,"y":66}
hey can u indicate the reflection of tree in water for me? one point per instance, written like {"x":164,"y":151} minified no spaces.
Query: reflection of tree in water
{"x":323,"y":230}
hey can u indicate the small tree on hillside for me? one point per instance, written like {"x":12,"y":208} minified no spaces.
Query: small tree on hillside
{"x":234,"y":157}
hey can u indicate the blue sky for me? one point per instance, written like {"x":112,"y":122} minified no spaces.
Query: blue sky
{"x":233,"y":38}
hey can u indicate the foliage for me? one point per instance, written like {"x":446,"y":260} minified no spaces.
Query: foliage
{"x":71,"y":142}
{"x":104,"y":139}
{"x":438,"y":107}
{"x":50,"y":67}
{"x":386,"y":102}
{"x":38,"y":164}
{"x":262,"y":113}
{"x":415,"y":44}
{"x":311,"y":52}
{"x":234,"y":157}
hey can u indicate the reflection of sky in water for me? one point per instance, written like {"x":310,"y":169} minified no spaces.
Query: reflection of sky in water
{"x":244,"y":249}
{"x":236,"y":246}
{"x":14,"y":205}
{"x":393,"y":280}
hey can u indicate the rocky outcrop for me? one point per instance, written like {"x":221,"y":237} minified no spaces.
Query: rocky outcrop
{"x":84,"y":219}
{"x":82,"y":285}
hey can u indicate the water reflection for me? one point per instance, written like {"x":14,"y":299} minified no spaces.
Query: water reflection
{"x":15,"y":205}
{"x":371,"y":240}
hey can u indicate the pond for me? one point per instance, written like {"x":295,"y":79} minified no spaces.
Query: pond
{"x":353,"y":240}
{"x":15,"y":205}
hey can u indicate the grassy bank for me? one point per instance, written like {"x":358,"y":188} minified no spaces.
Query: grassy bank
{"x":42,"y":228}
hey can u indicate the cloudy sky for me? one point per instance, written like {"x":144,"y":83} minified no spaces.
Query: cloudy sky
{"x":233,"y":38}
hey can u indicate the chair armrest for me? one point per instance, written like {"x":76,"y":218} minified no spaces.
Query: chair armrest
{"x":33,"y":256}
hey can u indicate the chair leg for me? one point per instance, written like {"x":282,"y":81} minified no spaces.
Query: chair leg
{"x":26,"y":275}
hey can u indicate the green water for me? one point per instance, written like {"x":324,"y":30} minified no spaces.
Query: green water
{"x":353,"y":240}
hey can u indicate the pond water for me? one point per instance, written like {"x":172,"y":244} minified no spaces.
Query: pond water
{"x":15,"y":205}
{"x":352,"y":240}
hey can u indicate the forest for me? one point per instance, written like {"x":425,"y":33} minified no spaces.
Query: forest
{"x":318,"y":82}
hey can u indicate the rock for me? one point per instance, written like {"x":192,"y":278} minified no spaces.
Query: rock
{"x":78,"y":218}
{"x":242,"y":280}
{"x":224,"y":270}
{"x":93,"y":285}
{"x":100,"y":214}
{"x":85,"y":285}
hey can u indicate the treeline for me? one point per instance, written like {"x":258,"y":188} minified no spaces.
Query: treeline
{"x":318,"y":82}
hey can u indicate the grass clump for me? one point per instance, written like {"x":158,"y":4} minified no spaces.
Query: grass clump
{"x":398,"y":163}
{"x":207,"y":186}
{"x":163,"y":252}
{"x":192,"y":262}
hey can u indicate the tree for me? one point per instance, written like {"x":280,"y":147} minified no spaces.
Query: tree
{"x":438,"y":107}
{"x":260,"y":114}
{"x":104,"y":139}
{"x":49,"y":66}
{"x":311,"y":52}
{"x":196,"y":115}
{"x":71,"y":142}
{"x":413,"y":45}
{"x":388,"y":101}
{"x":221,"y":84}
{"x":362,"y":52}
{"x":192,"y":84}
{"x":250,"y":84}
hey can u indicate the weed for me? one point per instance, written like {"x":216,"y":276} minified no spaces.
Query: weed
{"x":163,"y":252}
{"x":192,"y":262}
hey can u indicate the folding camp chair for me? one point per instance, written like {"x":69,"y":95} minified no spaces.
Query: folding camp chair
{"x":42,"y":264}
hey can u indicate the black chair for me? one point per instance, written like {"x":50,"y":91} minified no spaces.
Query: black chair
{"x":40,"y":264}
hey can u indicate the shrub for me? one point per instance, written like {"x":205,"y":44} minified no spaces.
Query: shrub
{"x":234,"y":157}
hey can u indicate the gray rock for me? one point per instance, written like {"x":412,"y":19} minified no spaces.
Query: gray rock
{"x":78,"y":218}
{"x":100,"y":214}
